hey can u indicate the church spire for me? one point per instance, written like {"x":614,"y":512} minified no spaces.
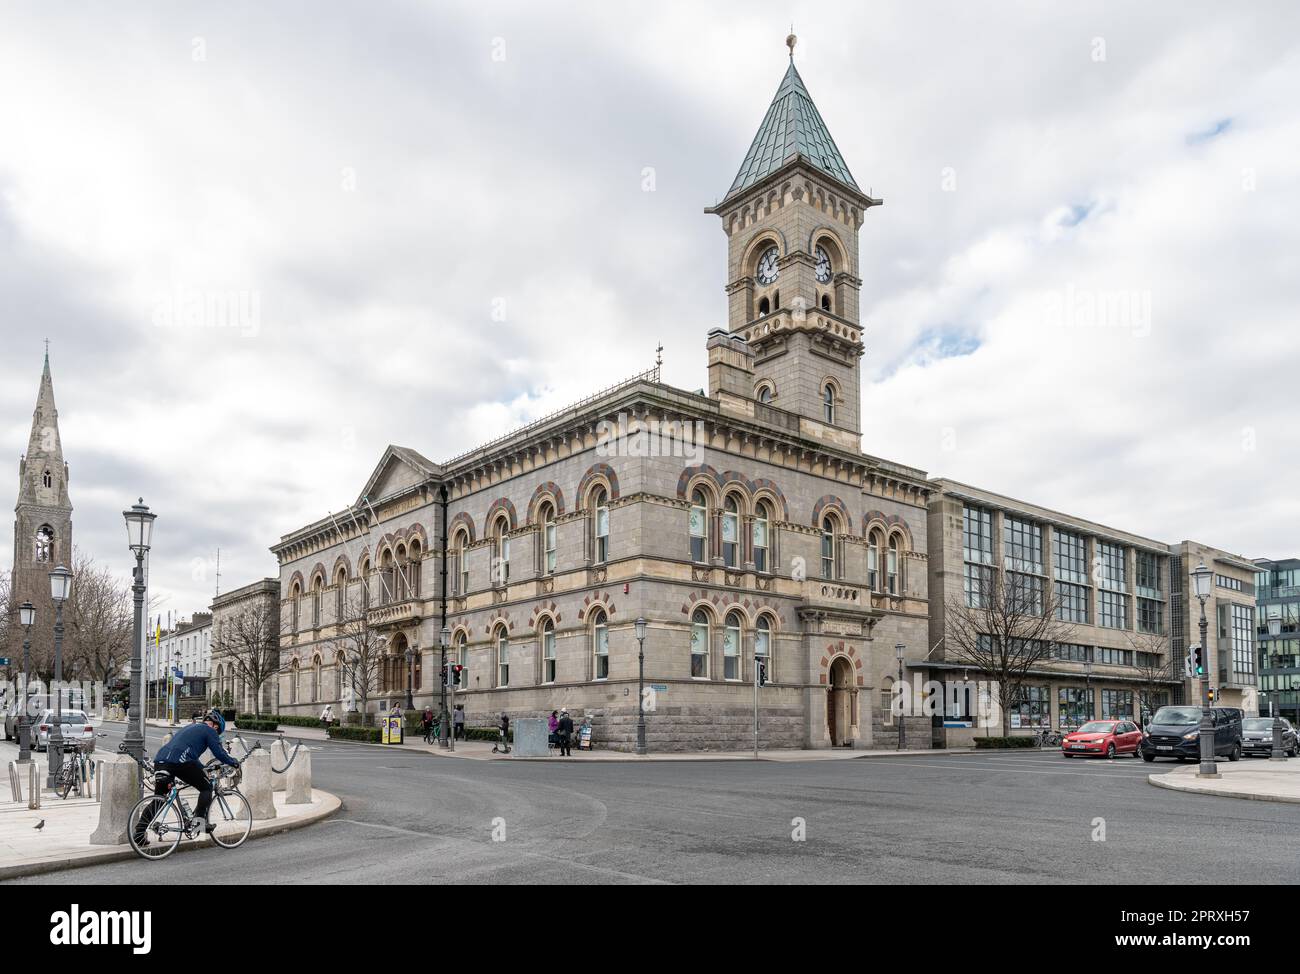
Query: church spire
{"x":43,"y":474}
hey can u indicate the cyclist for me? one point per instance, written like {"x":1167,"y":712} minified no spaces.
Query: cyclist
{"x":181,"y":758}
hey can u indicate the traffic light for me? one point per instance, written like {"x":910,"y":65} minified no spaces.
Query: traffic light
{"x":1211,"y":692}
{"x":456,"y":671}
{"x":1198,"y":661}
{"x":444,"y":676}
{"x":762,"y":673}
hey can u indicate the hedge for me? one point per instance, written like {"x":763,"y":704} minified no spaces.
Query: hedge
{"x":257,"y":725}
{"x":351,"y":732}
{"x":487,"y":734}
{"x":1006,"y":742}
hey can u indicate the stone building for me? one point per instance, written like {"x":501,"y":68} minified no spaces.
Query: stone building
{"x":245,"y":645}
{"x":42,"y":528}
{"x":746,"y":523}
{"x":1230,"y":613}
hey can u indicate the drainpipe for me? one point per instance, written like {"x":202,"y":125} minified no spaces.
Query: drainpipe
{"x":444,"y":719}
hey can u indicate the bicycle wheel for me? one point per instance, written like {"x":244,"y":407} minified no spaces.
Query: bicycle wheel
{"x":233,"y":818}
{"x":154,"y":827}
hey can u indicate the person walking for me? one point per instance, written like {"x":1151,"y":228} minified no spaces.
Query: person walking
{"x":458,"y":721}
{"x":426,"y":719}
{"x":564,"y":731}
{"x":327,"y":716}
{"x":503,"y":727}
{"x":551,"y":724}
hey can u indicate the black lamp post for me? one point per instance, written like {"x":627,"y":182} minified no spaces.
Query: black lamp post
{"x":410,"y":675}
{"x":900,"y":651}
{"x":640,"y":693}
{"x":60,"y":586}
{"x":139,"y":533}
{"x":1087,"y":683}
{"x":1202,"y":578}
{"x":176,"y":690}
{"x":444,"y":640}
{"x":1277,"y":754}
{"x":27,"y":618}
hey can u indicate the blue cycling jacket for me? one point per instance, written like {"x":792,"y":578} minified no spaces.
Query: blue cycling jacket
{"x":189,"y":743}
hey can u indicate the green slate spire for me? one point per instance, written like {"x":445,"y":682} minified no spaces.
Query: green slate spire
{"x":792,"y":128}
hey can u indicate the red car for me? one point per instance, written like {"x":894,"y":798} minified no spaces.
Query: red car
{"x":1103,"y":738}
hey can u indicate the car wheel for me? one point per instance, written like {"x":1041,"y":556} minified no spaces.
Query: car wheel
{"x":1235,"y":753}
{"x":1110,"y":751}
{"x":1291,"y":753}
{"x":1066,"y":754}
{"x":1149,"y":758}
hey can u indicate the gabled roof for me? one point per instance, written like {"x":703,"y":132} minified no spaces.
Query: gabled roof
{"x":422,"y":466}
{"x":792,"y":128}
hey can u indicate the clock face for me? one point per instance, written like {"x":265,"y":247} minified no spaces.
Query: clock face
{"x":767,"y":269}
{"x":823,"y":266}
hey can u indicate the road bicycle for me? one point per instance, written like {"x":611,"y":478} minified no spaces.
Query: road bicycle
{"x":159,"y":822}
{"x":77,"y":771}
{"x":1047,"y":738}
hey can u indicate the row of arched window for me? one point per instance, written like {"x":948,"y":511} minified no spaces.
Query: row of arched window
{"x":397,"y":579}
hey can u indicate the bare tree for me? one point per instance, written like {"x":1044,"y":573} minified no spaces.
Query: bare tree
{"x":1156,"y":670}
{"x":358,"y":651}
{"x":249,"y":640}
{"x":8,"y":625}
{"x":1003,"y":630}
{"x":99,"y":622}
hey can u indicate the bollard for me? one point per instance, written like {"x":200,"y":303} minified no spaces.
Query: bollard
{"x":34,"y":781}
{"x":257,"y":785}
{"x":298,"y":787}
{"x":119,"y":787}
{"x":15,"y":781}
{"x":279,"y":758}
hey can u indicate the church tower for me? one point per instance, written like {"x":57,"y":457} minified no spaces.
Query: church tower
{"x":42,"y":519}
{"x":792,"y":216}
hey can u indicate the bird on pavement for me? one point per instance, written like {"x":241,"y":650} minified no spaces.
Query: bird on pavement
{"x":40,"y":825}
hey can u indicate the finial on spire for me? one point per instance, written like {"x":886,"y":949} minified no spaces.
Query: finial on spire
{"x":47,"y":353}
{"x":790,"y":42}
{"x":659,"y":355}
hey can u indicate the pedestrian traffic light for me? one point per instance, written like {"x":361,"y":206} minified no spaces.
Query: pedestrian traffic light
{"x":1198,"y":662}
{"x":455,"y":674}
{"x":762,"y":673}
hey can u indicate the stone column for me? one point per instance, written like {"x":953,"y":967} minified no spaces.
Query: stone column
{"x":298,"y":779}
{"x":257,"y":785}
{"x":119,"y":791}
{"x":279,"y":758}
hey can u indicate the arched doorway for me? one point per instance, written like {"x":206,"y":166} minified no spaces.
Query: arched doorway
{"x":840,"y":698}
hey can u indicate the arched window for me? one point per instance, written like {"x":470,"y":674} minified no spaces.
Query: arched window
{"x":340,"y":593}
{"x":461,"y":644}
{"x":317,"y":586}
{"x":828,"y":403}
{"x":44,"y":543}
{"x":294,"y":675}
{"x":731,"y":638}
{"x":829,"y":548}
{"x":366,"y":578}
{"x":874,"y":546}
{"x":460,"y":568}
{"x":387,"y":577}
{"x":503,"y":657}
{"x":501,"y":551}
{"x":548,"y":651}
{"x":700,"y":645}
{"x":401,"y":575}
{"x":764,"y":306}
{"x":546,"y":517}
{"x":295,"y":594}
{"x":600,"y":645}
{"x":761,"y":536}
{"x":47,"y":479}
{"x":413,"y":569}
{"x":731,"y":532}
{"x":826,"y":302}
{"x":699,"y":526}
{"x":765,"y":393}
{"x":763,"y":644}
{"x":315,"y":678}
{"x":891,"y":566}
{"x":600,"y":524}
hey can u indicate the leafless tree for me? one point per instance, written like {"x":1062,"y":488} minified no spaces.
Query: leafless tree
{"x":249,"y":640}
{"x":359,"y":651}
{"x":99,"y":623}
{"x":8,"y":624}
{"x":1156,"y":670}
{"x":1009,"y":630}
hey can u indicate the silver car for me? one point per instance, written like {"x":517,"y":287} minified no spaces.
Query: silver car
{"x":76,"y":729}
{"x":1257,"y":737}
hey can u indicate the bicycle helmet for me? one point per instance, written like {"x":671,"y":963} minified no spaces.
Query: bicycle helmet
{"x":216,"y":718}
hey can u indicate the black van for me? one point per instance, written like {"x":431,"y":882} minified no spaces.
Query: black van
{"x":1175,"y":732}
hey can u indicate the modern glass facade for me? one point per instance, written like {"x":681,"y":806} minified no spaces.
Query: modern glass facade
{"x":1277,"y":597}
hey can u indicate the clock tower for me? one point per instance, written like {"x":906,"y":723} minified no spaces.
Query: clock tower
{"x":792,"y":215}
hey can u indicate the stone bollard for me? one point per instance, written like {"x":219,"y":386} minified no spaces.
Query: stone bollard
{"x":119,"y":790}
{"x":279,"y":758}
{"x":257,"y":785}
{"x":298,"y":787}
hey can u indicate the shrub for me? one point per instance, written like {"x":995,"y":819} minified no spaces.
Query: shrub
{"x":291,"y":720}
{"x":351,"y":732}
{"x":487,"y":734}
{"x":247,"y":722}
{"x":1004,"y":742}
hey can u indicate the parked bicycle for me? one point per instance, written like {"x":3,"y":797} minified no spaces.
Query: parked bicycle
{"x":1047,"y":738}
{"x":77,"y":771}
{"x":159,"y":822}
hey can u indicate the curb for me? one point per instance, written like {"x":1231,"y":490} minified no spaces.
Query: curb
{"x":1162,"y":781}
{"x":97,"y":857}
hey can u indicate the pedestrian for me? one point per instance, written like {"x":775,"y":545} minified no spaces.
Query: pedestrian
{"x":426,"y":721}
{"x":458,"y":721}
{"x":564,"y":731}
{"x":503,"y":728}
{"x":551,"y":724}
{"x":327,"y":716}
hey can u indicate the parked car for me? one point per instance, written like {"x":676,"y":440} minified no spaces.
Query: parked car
{"x":1102,"y":738}
{"x":1257,"y":737}
{"x":76,"y":729}
{"x":1174,"y":732}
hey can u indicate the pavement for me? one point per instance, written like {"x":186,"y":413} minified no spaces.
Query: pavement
{"x":63,"y":839}
{"x":1258,"y":779}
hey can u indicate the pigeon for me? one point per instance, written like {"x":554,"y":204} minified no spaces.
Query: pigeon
{"x":40,"y":825}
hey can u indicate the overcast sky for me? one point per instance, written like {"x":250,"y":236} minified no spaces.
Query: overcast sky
{"x":438,"y":222}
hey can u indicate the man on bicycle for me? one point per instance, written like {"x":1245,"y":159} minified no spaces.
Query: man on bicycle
{"x":181,"y":758}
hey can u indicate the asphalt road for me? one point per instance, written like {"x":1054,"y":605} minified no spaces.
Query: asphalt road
{"x":997,"y":818}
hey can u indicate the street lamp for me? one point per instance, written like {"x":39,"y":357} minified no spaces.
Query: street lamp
{"x":27,"y":618}
{"x":60,"y":587}
{"x":410,"y":675}
{"x":139,"y":533}
{"x":444,"y":640}
{"x":900,"y":651}
{"x":175,"y":701}
{"x":640,"y":693}
{"x":1087,"y":682}
{"x":1277,"y":754}
{"x":1202,"y":578}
